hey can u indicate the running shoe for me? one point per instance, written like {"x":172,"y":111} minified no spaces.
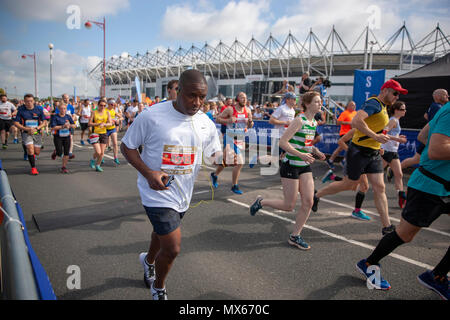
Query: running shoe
{"x":298,"y":242}
{"x":82,"y":142}
{"x":372,"y":282}
{"x":360,"y":215}
{"x":330,"y":164}
{"x":98,"y":169}
{"x":256,"y":206}
{"x":158,"y":294}
{"x":315,"y":204}
{"x":235,"y":189}
{"x":34,"y":171}
{"x":64,"y":170}
{"x":432,"y":282}
{"x":389,"y":174}
{"x":327,"y":176}
{"x":401,"y":200}
{"x":5,"y":146}
{"x":71,"y":156}
{"x":214,"y":180}
{"x":25,"y":157}
{"x":387,"y":230}
{"x":253,"y":161}
{"x":54,"y":155}
{"x":116,"y":161}
{"x":103,"y":161}
{"x":16,"y":141}
{"x":92,"y":164}
{"x":149,"y":270}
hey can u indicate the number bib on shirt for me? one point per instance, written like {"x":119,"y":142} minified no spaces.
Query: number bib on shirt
{"x":178,"y":159}
{"x":64,"y":133}
{"x":31,"y":123}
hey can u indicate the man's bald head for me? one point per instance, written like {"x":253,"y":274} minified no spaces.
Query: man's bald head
{"x":191,"y":76}
{"x":440,"y":96}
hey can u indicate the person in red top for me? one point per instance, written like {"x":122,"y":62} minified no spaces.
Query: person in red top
{"x":345,"y":121}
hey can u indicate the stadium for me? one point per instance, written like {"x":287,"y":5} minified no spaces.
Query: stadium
{"x":258,"y":68}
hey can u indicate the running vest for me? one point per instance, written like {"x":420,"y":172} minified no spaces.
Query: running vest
{"x":100,"y":118}
{"x":391,"y":145}
{"x":376,"y":122}
{"x":302,"y":141}
{"x":112,"y":113}
{"x":241,"y":120}
{"x":85,"y":114}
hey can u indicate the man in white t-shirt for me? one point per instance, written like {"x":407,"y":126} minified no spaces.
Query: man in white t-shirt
{"x":7,"y":112}
{"x":283,"y":115}
{"x":175,"y":136}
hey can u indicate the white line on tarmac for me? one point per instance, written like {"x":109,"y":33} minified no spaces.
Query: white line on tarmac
{"x":336,"y":236}
{"x":376,"y":214}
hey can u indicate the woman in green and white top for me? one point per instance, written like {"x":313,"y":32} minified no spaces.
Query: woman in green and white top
{"x":295,"y":170}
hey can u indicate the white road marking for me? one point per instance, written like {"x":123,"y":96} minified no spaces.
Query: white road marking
{"x":336,"y":236}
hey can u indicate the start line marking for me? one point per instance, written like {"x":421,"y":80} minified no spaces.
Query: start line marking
{"x":336,"y":236}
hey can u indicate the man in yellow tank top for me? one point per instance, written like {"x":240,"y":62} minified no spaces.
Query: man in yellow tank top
{"x":100,"y":120}
{"x":363,"y":155}
{"x":111,"y":131}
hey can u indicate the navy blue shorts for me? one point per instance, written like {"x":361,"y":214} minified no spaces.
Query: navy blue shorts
{"x":109,"y":132}
{"x":164,"y":220}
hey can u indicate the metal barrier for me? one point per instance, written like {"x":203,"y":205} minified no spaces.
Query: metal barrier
{"x":17,"y":275}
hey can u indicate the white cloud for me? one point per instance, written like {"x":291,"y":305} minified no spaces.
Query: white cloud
{"x":240,"y":19}
{"x":69,"y":70}
{"x":52,"y":10}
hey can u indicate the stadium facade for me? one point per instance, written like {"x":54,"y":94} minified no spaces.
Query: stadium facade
{"x":259,"y":68}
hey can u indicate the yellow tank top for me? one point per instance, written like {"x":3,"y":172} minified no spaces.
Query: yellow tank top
{"x":112,"y":113}
{"x":100,"y":118}
{"x":376,"y":122}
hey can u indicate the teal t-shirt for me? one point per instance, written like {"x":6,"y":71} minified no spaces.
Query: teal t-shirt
{"x":440,"y":124}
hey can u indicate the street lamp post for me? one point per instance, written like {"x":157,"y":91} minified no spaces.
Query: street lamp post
{"x":372,"y":43}
{"x":101,"y":25}
{"x":24,"y":56}
{"x":50,"y":46}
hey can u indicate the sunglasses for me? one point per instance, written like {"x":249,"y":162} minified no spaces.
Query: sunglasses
{"x":402,"y":109}
{"x":395,"y":94}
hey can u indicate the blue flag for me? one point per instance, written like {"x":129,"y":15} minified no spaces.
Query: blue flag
{"x":366,"y":84}
{"x":138,"y":88}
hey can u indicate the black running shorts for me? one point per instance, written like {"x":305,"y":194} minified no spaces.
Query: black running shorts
{"x":360,"y":160}
{"x":388,"y":156}
{"x":292,"y":172}
{"x":164,"y":220}
{"x":422,"y":208}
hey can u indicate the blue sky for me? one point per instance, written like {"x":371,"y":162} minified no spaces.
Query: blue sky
{"x":137,"y":26}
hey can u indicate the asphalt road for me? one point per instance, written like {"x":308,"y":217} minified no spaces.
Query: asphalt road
{"x":95,"y":221}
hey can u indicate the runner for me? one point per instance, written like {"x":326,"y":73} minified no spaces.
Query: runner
{"x":84,"y":114}
{"x":238,"y":120}
{"x":61,"y":124}
{"x":111,"y":131}
{"x":428,"y":197}
{"x":70,"y":111}
{"x":390,"y":155}
{"x":363,"y":155}
{"x":363,"y":185}
{"x":174,"y":136}
{"x":295,"y":171}
{"x":7,"y":113}
{"x":100,"y":120}
{"x":30,"y":120}
{"x":345,"y":121}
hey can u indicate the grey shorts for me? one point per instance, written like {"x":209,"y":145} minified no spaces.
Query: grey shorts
{"x":35,"y":139}
{"x":164,"y":220}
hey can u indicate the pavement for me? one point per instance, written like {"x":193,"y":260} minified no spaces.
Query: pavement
{"x":95,"y":221}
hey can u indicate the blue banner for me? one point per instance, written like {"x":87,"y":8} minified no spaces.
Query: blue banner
{"x":138,"y":88}
{"x":366,"y":84}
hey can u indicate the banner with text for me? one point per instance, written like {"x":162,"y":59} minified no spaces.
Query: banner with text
{"x":366,"y":84}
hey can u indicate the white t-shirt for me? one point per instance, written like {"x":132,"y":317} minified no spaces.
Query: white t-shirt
{"x":85,"y":114}
{"x":132,"y":111}
{"x":174,"y":143}
{"x":6,"y":109}
{"x":283,"y":113}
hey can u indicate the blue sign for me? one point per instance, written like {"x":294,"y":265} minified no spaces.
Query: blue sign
{"x":138,"y":88}
{"x":366,"y":84}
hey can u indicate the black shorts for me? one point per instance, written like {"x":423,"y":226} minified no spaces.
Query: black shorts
{"x":164,"y":220}
{"x":388,"y":156}
{"x":62,"y":145}
{"x":422,"y":208}
{"x":292,"y":172}
{"x":419,"y":147}
{"x":5,"y":125}
{"x":360,"y":160}
{"x":102,"y":138}
{"x":84,"y":126}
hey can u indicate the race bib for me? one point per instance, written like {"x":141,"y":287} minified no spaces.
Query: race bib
{"x":178,"y":159}
{"x":4,"y":111}
{"x":64,"y":132}
{"x":32,"y":123}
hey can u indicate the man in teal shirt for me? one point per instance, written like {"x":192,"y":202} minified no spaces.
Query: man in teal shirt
{"x":428,"y":197}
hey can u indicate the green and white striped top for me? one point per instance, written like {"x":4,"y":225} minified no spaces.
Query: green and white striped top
{"x":302,"y":141}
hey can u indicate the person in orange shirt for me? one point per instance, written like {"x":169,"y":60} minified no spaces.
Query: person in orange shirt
{"x":345,"y":121}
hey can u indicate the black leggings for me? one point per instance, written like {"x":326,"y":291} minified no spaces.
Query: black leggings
{"x":61,"y":143}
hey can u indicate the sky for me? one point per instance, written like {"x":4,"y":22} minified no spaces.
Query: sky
{"x":132,"y":26}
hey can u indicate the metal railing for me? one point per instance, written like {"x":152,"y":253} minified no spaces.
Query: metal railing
{"x":17,"y":275}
